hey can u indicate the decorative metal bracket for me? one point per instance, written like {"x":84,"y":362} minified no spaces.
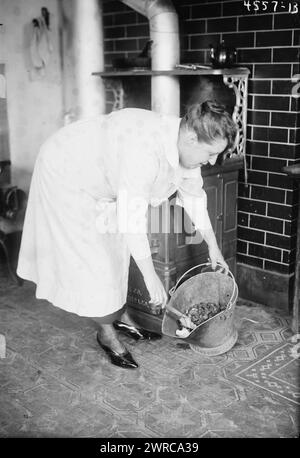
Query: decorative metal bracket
{"x":240,"y":86}
{"x":115,"y":85}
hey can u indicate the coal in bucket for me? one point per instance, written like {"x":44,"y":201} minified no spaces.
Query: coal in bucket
{"x":217,"y":290}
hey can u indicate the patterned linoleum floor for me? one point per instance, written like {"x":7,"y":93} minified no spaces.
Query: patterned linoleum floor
{"x":56,"y":382}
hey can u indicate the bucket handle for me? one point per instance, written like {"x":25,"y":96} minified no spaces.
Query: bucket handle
{"x":229,"y":273}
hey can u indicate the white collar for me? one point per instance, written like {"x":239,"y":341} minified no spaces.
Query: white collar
{"x":171,"y":125}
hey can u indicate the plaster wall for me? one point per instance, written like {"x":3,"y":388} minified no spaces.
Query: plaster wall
{"x":34,"y":99}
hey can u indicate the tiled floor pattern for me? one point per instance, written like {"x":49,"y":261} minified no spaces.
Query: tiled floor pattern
{"x":56,"y":382}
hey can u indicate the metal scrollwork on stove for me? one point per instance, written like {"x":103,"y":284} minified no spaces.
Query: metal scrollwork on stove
{"x":116,"y":86}
{"x":239,"y":84}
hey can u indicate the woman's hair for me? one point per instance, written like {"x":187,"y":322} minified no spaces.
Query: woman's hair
{"x":209,"y":120}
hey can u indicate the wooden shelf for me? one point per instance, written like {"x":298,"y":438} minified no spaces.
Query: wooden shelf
{"x":232,"y":71}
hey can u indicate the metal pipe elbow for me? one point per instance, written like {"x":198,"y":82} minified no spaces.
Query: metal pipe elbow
{"x":151,"y":8}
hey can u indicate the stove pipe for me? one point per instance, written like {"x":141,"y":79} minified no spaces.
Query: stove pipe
{"x":89,"y":56}
{"x":81,"y":43}
{"x":165,"y":52}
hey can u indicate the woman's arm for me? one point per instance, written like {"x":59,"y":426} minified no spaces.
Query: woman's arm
{"x":194,"y":200}
{"x":139,"y":248}
{"x":215,"y":254}
{"x":133,"y":197}
{"x":153,"y":283}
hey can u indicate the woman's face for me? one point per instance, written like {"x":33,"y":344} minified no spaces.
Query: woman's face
{"x":193,"y":154}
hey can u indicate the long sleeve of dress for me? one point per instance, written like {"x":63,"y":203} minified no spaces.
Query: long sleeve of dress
{"x":192,"y":197}
{"x":138,"y":170}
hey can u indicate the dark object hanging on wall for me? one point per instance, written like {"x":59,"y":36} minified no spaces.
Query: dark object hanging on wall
{"x":222,"y":56}
{"x":142,"y":60}
{"x":46,"y":16}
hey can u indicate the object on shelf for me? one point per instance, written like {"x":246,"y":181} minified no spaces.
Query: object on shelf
{"x":141,"y":61}
{"x":192,"y":66}
{"x":222,"y":56}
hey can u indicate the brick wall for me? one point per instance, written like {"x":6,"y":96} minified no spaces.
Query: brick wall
{"x":268,"y":44}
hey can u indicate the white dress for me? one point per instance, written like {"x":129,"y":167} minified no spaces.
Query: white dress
{"x":81,"y":174}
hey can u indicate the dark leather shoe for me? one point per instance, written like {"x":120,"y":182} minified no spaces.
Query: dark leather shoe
{"x":124,"y":360}
{"x":135,"y":333}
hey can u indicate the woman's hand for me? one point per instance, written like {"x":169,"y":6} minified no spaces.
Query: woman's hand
{"x":216,"y":256}
{"x":158,"y":295}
